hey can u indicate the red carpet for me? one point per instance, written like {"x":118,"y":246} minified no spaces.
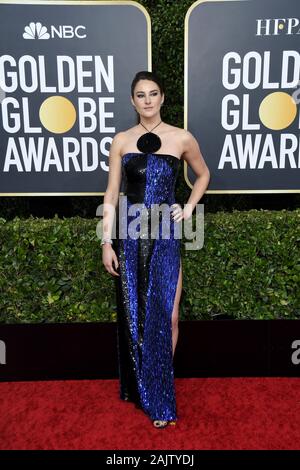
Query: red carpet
{"x":230,"y":413}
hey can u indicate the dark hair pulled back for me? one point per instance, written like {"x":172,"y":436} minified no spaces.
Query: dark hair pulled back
{"x":145,"y":75}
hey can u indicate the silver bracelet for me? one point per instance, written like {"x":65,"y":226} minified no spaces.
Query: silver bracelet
{"x":106,"y":240}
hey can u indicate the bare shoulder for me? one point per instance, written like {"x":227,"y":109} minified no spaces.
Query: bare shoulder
{"x":119,"y":138}
{"x":187,"y":137}
{"x":175,"y":134}
{"x":180,"y":133}
{"x":118,"y":142}
{"x":116,"y":147}
{"x":123,"y":140}
{"x":126,"y":134}
{"x":192,"y":153}
{"x":174,"y":129}
{"x":184,"y":138}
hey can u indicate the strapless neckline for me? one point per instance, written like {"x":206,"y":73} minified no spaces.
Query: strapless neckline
{"x":150,"y":153}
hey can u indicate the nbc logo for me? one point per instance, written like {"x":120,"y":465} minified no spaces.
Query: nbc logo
{"x":35,"y":31}
{"x":38,"y":31}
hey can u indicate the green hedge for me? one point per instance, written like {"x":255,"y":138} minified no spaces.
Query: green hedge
{"x":249,"y":267}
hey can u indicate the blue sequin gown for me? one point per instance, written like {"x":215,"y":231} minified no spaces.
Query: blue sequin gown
{"x":146,"y":288}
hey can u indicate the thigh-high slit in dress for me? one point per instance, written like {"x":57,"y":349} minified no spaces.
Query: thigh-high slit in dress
{"x":145,"y":290}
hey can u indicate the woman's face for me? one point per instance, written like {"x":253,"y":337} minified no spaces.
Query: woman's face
{"x":147,"y":98}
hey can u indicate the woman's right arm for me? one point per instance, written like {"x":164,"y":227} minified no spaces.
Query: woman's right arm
{"x":110,"y":202}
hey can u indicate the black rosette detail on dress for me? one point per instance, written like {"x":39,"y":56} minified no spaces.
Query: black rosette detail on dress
{"x":149,"y":142}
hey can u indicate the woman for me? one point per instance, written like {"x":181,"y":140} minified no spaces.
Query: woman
{"x":148,"y":270}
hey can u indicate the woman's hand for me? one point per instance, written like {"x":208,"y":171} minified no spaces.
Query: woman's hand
{"x":178,"y":213}
{"x":108,"y":258}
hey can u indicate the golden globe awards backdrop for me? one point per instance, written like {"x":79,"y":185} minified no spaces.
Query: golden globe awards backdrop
{"x":242,"y":90}
{"x":65,"y":75}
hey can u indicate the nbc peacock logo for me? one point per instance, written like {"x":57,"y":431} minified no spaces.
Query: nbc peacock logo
{"x":35,"y":31}
{"x":63,"y":31}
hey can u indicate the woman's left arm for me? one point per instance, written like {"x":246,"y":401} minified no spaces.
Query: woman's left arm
{"x":193,"y":156}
